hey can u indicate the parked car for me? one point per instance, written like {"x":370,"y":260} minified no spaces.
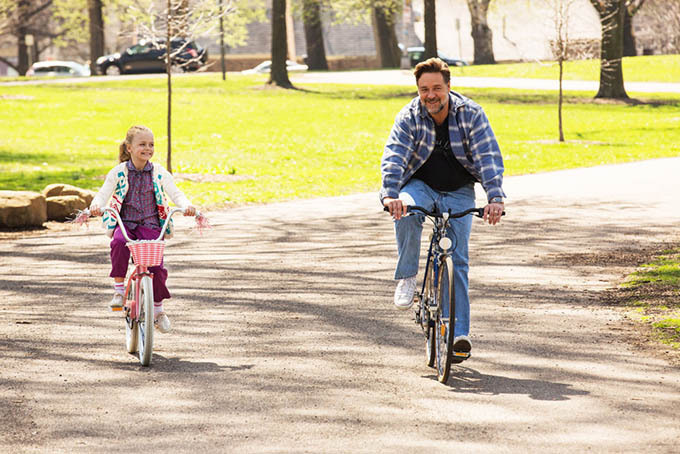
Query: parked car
{"x":149,"y":57}
{"x":58,"y":69}
{"x":266,"y":66}
{"x":417,"y":54}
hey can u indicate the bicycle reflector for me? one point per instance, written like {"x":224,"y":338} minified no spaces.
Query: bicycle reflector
{"x":445,"y":243}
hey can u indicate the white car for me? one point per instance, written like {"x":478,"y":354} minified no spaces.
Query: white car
{"x":265,"y":67}
{"x":58,"y":69}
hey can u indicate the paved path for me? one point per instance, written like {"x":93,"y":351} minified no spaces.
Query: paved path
{"x":394,"y":77}
{"x":405,"y":77}
{"x":286,"y":340}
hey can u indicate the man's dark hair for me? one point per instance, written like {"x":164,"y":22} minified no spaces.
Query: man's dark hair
{"x":433,"y":65}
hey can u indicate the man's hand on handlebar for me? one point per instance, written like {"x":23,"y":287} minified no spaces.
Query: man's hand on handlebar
{"x":190,"y":211}
{"x":493,"y":213}
{"x":395,"y":206}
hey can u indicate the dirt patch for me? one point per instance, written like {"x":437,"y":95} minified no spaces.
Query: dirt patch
{"x":655,"y":297}
{"x":627,"y":256}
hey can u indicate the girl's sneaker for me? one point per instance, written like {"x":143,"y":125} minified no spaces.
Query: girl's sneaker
{"x":162,"y":323}
{"x":116,"y":302}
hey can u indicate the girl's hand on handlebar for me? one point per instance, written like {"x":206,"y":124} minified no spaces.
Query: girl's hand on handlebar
{"x":493,"y":213}
{"x":95,"y":210}
{"x":190,"y":211}
{"x":395,"y":206}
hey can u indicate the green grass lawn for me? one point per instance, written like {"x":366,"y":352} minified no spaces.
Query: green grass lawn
{"x":252,"y":144}
{"x":657,"y":289}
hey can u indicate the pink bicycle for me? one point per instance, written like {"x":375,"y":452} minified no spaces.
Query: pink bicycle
{"x":138,"y":299}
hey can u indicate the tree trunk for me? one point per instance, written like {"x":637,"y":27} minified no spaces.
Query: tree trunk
{"x":560,"y":101}
{"x":629,"y":49}
{"x":279,"y":73}
{"x":290,"y":33}
{"x":96,"y":33}
{"x":387,"y":48}
{"x":22,"y":49}
{"x":222,"y":60}
{"x":482,"y":35}
{"x":180,"y":22}
{"x":430,"y":29}
{"x":612,"y":13}
{"x":168,"y":69}
{"x":316,"y":53}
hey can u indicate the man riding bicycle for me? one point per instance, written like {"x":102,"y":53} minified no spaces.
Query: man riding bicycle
{"x":441,"y":144}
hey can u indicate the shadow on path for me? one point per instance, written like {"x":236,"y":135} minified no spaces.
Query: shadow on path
{"x":468,"y":380}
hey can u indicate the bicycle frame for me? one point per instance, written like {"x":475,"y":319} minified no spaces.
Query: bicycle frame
{"x":437,"y":318}
{"x":435,"y":308}
{"x":132,"y":313}
{"x":138,"y":300}
{"x":438,"y":249}
{"x":435,"y":251}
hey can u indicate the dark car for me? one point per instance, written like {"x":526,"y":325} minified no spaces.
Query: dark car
{"x":417,"y":54}
{"x":149,"y":57}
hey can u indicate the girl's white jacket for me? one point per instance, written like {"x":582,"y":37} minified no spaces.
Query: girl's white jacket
{"x":115,"y":188}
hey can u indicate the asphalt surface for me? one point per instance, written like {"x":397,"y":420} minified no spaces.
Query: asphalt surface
{"x":394,"y":77}
{"x":405,"y":77}
{"x":285,"y":339}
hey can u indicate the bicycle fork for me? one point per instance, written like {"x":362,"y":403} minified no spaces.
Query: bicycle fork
{"x":131,"y":306}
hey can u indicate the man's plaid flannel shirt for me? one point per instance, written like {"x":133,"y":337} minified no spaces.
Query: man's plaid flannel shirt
{"x":412,"y":140}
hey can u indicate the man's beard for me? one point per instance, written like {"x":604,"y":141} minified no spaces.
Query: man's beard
{"x":434,"y":110}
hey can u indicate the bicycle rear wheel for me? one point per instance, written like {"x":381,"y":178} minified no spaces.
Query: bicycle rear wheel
{"x":425,"y":319}
{"x":145,"y":321}
{"x":131,"y":333}
{"x":445,"y":319}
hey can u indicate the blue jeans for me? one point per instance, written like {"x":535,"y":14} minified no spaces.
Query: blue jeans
{"x":409,"y":230}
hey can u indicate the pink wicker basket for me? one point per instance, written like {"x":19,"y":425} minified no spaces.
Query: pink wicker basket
{"x":147,"y":253}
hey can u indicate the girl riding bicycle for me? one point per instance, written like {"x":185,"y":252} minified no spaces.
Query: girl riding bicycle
{"x":136,"y":189}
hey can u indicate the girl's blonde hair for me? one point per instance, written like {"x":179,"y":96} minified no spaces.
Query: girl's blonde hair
{"x":123,"y":154}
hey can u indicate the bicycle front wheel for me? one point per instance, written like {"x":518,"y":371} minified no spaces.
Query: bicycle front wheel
{"x":425,"y":319}
{"x":131,"y":332}
{"x":145,"y":321}
{"x":445,"y":319}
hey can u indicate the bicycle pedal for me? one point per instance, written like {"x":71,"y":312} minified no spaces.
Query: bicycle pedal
{"x":459,"y":357}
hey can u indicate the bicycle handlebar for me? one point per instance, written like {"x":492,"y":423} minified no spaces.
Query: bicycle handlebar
{"x":116,"y":215}
{"x":479,"y":212}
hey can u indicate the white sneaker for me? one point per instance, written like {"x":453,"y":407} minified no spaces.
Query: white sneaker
{"x":462,"y":344}
{"x":162,"y":323}
{"x":403,"y":295}
{"x":116,"y":301}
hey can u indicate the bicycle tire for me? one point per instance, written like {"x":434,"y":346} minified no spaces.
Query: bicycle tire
{"x":445,"y":324}
{"x":131,"y":333}
{"x":425,"y":319}
{"x":145,"y":321}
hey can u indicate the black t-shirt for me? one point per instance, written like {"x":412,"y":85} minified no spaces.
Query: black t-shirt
{"x":442,"y":171}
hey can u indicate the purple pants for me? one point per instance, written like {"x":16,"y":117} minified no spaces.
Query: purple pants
{"x":120,"y":257}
